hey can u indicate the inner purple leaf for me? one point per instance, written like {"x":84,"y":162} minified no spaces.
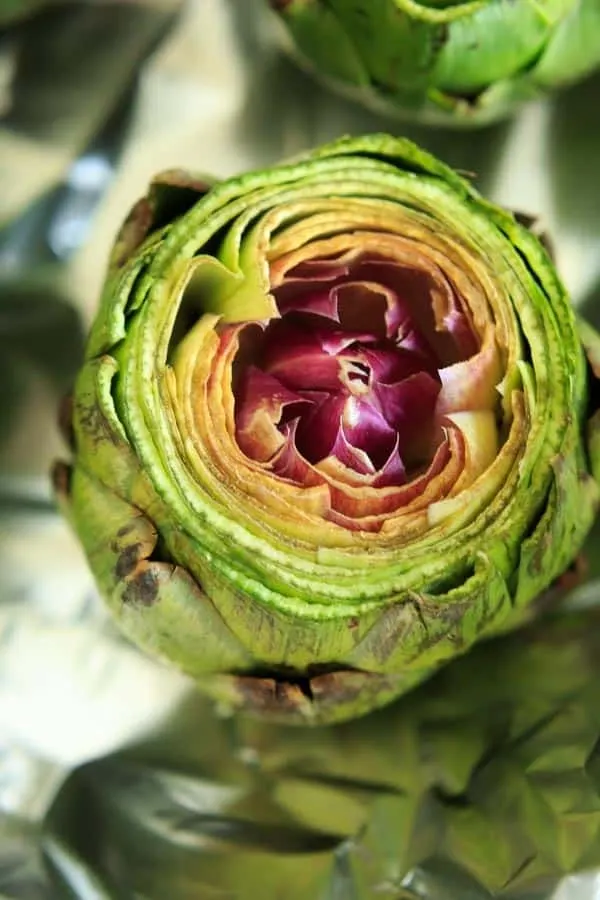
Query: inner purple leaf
{"x":351,"y":369}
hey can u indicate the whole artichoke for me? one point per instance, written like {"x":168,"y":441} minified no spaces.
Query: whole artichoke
{"x":442,"y":61}
{"x":332,"y":427}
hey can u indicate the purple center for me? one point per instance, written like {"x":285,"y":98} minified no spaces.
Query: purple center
{"x":351,"y":369}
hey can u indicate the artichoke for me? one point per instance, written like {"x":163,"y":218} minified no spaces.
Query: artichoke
{"x":442,"y":61}
{"x":333,"y":427}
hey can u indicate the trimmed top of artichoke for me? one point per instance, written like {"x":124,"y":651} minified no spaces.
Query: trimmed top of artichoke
{"x":333,"y":422}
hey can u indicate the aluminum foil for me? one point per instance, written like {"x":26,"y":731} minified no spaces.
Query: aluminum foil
{"x":95,"y":98}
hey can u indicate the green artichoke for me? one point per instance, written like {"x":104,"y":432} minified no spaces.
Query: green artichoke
{"x":443,"y":61}
{"x":332,"y":428}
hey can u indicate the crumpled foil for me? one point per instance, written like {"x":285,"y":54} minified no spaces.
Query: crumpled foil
{"x":117,"y":780}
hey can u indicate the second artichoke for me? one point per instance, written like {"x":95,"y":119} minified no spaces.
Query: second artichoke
{"x":444,"y":62}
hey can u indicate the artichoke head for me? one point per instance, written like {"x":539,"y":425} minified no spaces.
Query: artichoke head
{"x":445,"y":62}
{"x":333,"y":426}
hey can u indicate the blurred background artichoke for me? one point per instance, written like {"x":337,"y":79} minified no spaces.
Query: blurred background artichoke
{"x":445,"y":62}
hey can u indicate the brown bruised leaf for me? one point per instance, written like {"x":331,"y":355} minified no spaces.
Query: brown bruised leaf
{"x":136,"y":227}
{"x":304,"y":700}
{"x":127,"y":560}
{"x":133,"y":546}
{"x":272,"y":695}
{"x":171,"y":194}
{"x":143,"y":586}
{"x":181,"y":178}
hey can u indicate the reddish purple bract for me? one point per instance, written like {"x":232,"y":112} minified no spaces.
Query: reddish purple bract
{"x":350,"y":370}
